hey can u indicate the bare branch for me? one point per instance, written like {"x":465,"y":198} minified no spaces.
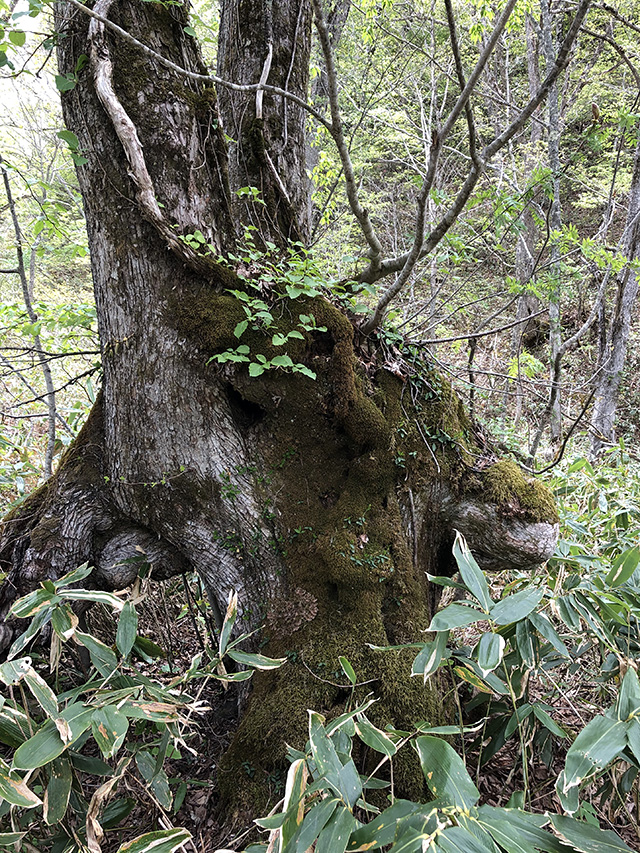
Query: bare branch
{"x":49,"y":396}
{"x":476,"y":335}
{"x":405,"y":263}
{"x":360,"y":213}
{"x":619,"y":50}
{"x":471,"y":127}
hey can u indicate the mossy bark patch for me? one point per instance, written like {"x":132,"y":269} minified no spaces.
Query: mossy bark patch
{"x":522,"y":497}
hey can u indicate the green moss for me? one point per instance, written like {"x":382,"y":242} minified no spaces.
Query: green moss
{"x":313,"y":679}
{"x":506,"y":485}
{"x":366,"y":425}
{"x":209,"y":320}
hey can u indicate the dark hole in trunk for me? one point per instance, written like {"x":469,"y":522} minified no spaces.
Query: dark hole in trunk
{"x":244,"y":412}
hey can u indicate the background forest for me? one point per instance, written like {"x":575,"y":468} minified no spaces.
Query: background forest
{"x":526,"y":305}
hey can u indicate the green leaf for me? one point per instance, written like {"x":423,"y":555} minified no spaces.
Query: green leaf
{"x":256,"y":369}
{"x":70,"y":138}
{"x":294,"y":800}
{"x":345,"y":720}
{"x":163,"y":841}
{"x":343,"y":782}
{"x":96,"y":596}
{"x":273,"y":822}
{"x":373,"y":737}
{"x":348,"y":669}
{"x":33,"y":603}
{"x":85,"y":569}
{"x":381,"y":831}
{"x":521,"y":713}
{"x":228,"y":623}
{"x":240,"y":328}
{"x":490,"y":652}
{"x":455,"y":616}
{"x":517,"y":606}
{"x":14,"y":671}
{"x":335,"y":835}
{"x":190,"y":31}
{"x":587,"y":838}
{"x":527,"y":643}
{"x":17,"y":37}
{"x":601,"y":740}
{"x":430,"y":657}
{"x":282,"y":361}
{"x":102,"y":657}
{"x":511,"y":841}
{"x":14,"y":790}
{"x":523,"y":826}
{"x":544,"y":627}
{"x":64,"y":621}
{"x":471,"y":573}
{"x":568,"y":613}
{"x":46,"y":744}
{"x":623,"y":567}
{"x":256,"y":661}
{"x":43,"y":694}
{"x":569,"y":797}
{"x":314,"y":822}
{"x":127,"y":629}
{"x":146,"y":648}
{"x":457,"y":839}
{"x":445,"y":772}
{"x":89,"y":764}
{"x":56,"y":798}
{"x":628,"y":703}
{"x":9,"y":838}
{"x":37,"y":623}
{"x":547,"y":722}
{"x":158,"y":712}
{"x":109,"y":727}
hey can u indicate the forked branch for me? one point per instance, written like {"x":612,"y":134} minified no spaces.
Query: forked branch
{"x":405,"y":263}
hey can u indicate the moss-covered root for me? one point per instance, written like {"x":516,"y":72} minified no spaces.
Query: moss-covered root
{"x":277,"y":716}
{"x":523,"y":497}
{"x":509,"y":520}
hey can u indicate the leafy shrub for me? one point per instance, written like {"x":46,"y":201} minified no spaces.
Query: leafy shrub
{"x":134,"y":721}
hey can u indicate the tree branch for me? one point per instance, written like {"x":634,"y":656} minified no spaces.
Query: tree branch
{"x":128,"y":136}
{"x":193,"y":75}
{"x":335,"y":129}
{"x":403,"y":264}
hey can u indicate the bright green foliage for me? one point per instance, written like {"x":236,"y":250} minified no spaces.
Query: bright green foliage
{"x":319,"y":807}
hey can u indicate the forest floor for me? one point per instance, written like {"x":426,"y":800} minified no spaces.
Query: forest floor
{"x":164,"y":618}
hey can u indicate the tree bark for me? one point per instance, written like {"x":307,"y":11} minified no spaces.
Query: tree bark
{"x":321,"y":502}
{"x":614,"y":341}
{"x":555,"y":222}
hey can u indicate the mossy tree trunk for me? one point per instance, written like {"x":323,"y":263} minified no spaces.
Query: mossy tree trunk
{"x":321,"y":502}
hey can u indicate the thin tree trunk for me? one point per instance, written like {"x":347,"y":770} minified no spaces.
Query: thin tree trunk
{"x":27,"y":281}
{"x":555,"y":221}
{"x":613,"y":347}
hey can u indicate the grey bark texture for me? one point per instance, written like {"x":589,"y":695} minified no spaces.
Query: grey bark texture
{"x":615,"y":334}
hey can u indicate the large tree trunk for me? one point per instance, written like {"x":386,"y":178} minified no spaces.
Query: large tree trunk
{"x":318,"y":501}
